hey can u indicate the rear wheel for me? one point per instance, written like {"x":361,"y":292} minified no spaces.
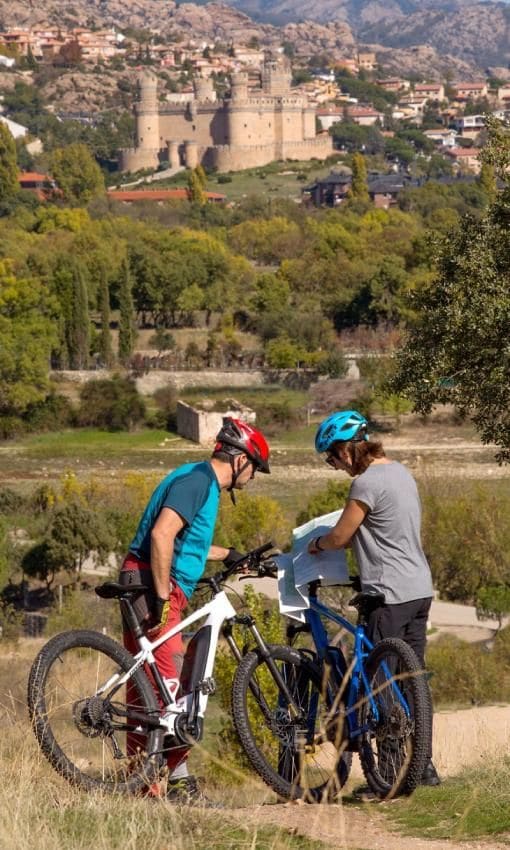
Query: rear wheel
{"x":299,"y":757}
{"x":394,"y":746}
{"x":84,"y":721}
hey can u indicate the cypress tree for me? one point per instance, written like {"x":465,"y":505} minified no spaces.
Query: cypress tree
{"x":359,"y":187}
{"x":126,"y":323}
{"x":105,"y":342}
{"x":9,"y":185}
{"x":79,"y":326}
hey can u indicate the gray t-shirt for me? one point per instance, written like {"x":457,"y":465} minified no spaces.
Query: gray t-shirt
{"x":387,"y":544}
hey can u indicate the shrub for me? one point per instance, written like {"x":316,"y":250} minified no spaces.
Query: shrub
{"x":10,"y":501}
{"x":113,"y":404}
{"x":224,"y":178}
{"x":272,"y":627}
{"x":51,"y":414}
{"x":466,"y":537}
{"x":11,"y":426}
{"x":279,"y":415}
{"x":332,"y":498}
{"x":465,"y":673}
{"x":254,"y":521}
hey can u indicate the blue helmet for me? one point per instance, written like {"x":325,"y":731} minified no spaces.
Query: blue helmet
{"x":344,"y":425}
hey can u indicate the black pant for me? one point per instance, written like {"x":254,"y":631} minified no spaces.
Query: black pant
{"x":408,"y":621}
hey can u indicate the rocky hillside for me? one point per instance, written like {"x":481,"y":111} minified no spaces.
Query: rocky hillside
{"x":357,"y":13}
{"x":478,"y":34}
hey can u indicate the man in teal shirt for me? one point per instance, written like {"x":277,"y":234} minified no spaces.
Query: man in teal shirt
{"x":169,"y":551}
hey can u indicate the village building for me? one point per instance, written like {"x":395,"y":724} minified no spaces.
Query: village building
{"x":429,"y":91}
{"x":465,"y":159}
{"x":442,"y":136}
{"x":365,"y":116}
{"x":367,"y":61}
{"x":394,"y":84}
{"x":467,"y":91}
{"x":503,"y":94}
{"x":249,"y":128}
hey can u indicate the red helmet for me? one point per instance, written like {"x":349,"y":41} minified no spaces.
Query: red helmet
{"x":239,"y":436}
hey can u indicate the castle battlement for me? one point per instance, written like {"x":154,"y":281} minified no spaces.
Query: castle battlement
{"x":245,"y":130}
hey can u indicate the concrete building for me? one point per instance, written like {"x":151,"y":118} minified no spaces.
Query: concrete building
{"x":248,"y":129}
{"x":201,"y":426}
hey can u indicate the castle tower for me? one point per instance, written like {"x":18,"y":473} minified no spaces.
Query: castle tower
{"x":239,"y":87}
{"x":204,"y":90}
{"x":275,"y":77}
{"x":191,"y":154}
{"x":237,"y":109}
{"x":147,"y":114}
{"x":174,"y":160}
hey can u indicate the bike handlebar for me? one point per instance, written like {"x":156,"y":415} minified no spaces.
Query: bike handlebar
{"x":252,"y":560}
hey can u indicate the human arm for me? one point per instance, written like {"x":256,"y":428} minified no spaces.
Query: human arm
{"x":166,"y":528}
{"x":341,"y":535}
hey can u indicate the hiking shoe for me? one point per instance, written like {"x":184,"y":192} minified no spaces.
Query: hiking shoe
{"x":364,"y":794}
{"x":186,"y":792}
{"x":430,"y":776}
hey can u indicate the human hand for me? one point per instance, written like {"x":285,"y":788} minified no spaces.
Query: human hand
{"x":233,"y":557}
{"x":160,"y":616}
{"x":314,"y":546}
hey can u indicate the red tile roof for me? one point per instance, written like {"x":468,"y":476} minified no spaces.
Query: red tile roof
{"x":33,"y":177}
{"x":130,"y":195}
{"x":463,"y":152}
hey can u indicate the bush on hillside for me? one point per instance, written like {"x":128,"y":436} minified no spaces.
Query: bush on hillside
{"x":466,"y":537}
{"x":111,"y":403}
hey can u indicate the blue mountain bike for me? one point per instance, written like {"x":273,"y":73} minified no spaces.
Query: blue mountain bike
{"x":377,"y":705}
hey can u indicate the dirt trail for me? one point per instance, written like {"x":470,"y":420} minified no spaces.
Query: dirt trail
{"x":461,"y":738}
{"x":345,"y":827}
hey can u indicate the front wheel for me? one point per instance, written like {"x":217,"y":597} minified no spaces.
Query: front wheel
{"x":85,"y":721}
{"x":395,"y":716}
{"x":297,"y":756}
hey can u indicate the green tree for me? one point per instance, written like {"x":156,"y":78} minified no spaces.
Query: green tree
{"x":162,"y":340}
{"x":76,"y":531}
{"x":113,"y":404}
{"x":27,"y":333}
{"x":77,"y":174}
{"x":487,"y":181}
{"x":282,"y":353}
{"x":105,"y":344}
{"x":457,"y":351}
{"x":359,"y":189}
{"x":78,"y":332}
{"x":127,"y":332}
{"x":493,"y":603}
{"x":195,"y":188}
{"x":9,"y":185}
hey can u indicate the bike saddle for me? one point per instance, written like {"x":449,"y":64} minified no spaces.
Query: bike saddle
{"x":367,"y":600}
{"x":114,"y":590}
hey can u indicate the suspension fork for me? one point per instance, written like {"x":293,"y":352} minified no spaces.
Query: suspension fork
{"x":247,"y":620}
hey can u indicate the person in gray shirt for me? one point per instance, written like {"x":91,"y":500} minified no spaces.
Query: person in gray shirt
{"x":381,"y":522}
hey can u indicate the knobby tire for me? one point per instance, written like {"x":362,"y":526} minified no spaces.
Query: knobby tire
{"x":83,"y":734}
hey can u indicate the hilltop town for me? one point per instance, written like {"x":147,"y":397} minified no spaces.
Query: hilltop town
{"x":165,"y":99}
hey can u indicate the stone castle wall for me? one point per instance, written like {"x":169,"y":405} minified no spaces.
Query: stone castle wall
{"x":247,"y":130}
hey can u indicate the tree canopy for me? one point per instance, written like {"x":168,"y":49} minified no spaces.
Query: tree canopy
{"x":459,"y":349}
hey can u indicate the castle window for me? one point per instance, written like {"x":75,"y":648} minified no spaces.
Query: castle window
{"x":193,"y":127}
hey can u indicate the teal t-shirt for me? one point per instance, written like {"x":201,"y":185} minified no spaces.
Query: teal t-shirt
{"x":193,"y":492}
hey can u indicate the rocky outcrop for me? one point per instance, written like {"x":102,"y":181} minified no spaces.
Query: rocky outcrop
{"x":478,"y":34}
{"x":425,"y":61}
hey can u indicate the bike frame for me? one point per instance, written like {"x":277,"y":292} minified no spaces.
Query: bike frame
{"x":358,"y":682}
{"x":218,"y":617}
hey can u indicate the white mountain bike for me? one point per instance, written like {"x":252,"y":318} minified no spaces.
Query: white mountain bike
{"x":86,"y":693}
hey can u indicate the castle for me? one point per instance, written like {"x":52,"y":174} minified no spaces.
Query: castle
{"x":250,"y":128}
